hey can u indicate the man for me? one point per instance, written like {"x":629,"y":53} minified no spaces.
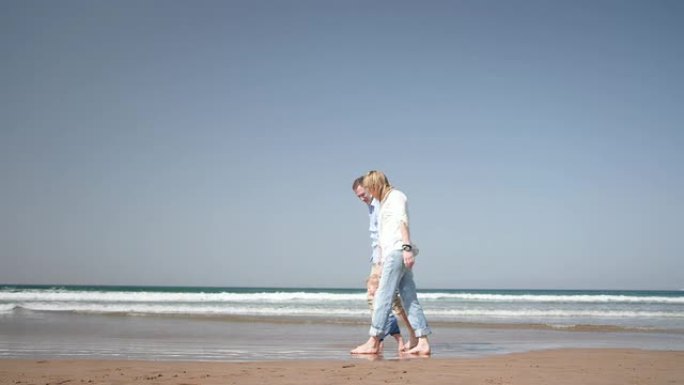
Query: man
{"x":376,"y":269}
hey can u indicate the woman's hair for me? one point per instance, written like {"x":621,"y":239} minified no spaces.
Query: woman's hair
{"x":376,"y":181}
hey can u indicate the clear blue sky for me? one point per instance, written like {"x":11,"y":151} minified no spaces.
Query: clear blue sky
{"x":540,"y":143}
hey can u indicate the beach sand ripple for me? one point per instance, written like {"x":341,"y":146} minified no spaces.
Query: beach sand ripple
{"x":559,"y":367}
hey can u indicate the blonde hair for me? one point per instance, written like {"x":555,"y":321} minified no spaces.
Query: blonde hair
{"x":376,"y":183}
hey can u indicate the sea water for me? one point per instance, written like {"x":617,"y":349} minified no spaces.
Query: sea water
{"x":211,"y":323}
{"x":563,"y":308}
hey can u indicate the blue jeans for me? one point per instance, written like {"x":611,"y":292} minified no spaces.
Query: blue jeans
{"x":396,"y":276}
{"x":393,"y":327}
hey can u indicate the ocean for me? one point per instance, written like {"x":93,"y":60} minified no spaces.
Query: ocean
{"x":213,"y":323}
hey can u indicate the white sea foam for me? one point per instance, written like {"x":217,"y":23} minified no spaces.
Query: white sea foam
{"x":359,"y":311}
{"x":640,"y":309}
{"x":553,"y":313}
{"x":584,"y":298}
{"x":159,"y":297}
{"x":275,"y":297}
{"x":193,"y":310}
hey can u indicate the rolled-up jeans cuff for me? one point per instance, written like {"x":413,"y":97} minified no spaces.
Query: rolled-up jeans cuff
{"x":423,"y":332}
{"x":374,"y":332}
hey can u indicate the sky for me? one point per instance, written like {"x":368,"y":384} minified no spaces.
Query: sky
{"x":214,"y":143}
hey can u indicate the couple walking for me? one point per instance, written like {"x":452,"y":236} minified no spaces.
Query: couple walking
{"x":392,"y":261}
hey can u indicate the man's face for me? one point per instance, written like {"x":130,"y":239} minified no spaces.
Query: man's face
{"x":363,"y":195}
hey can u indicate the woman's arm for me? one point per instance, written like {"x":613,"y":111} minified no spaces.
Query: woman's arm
{"x":409,"y":258}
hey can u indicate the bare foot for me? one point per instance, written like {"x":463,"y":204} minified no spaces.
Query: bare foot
{"x":372,"y":346}
{"x":422,"y":348}
{"x":412,"y":343}
{"x":400,"y":343}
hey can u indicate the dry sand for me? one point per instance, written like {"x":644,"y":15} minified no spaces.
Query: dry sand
{"x":557,"y":367}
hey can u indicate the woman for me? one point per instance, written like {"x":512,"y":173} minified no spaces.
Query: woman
{"x":397,"y":260}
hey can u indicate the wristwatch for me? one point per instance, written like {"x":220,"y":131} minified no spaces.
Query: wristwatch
{"x":407,"y":247}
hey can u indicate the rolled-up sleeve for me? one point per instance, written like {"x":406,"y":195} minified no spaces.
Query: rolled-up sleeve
{"x":393,"y":213}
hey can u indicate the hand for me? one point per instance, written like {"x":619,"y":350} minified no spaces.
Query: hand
{"x":372,"y":285}
{"x":409,"y":259}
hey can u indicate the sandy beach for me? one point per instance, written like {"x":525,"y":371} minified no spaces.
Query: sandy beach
{"x":566,"y":366}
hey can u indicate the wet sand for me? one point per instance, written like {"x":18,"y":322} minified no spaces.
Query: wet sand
{"x":566,"y":366}
{"x":69,"y":336}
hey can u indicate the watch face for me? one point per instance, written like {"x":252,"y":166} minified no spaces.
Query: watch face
{"x":407,"y":247}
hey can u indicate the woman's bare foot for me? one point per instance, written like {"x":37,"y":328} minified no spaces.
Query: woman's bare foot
{"x":372,"y":346}
{"x":422,"y":348}
{"x":411,"y":343}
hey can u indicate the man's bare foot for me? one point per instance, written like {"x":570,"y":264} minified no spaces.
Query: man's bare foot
{"x":422,"y":348}
{"x":372,"y":346}
{"x":400,"y":343}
